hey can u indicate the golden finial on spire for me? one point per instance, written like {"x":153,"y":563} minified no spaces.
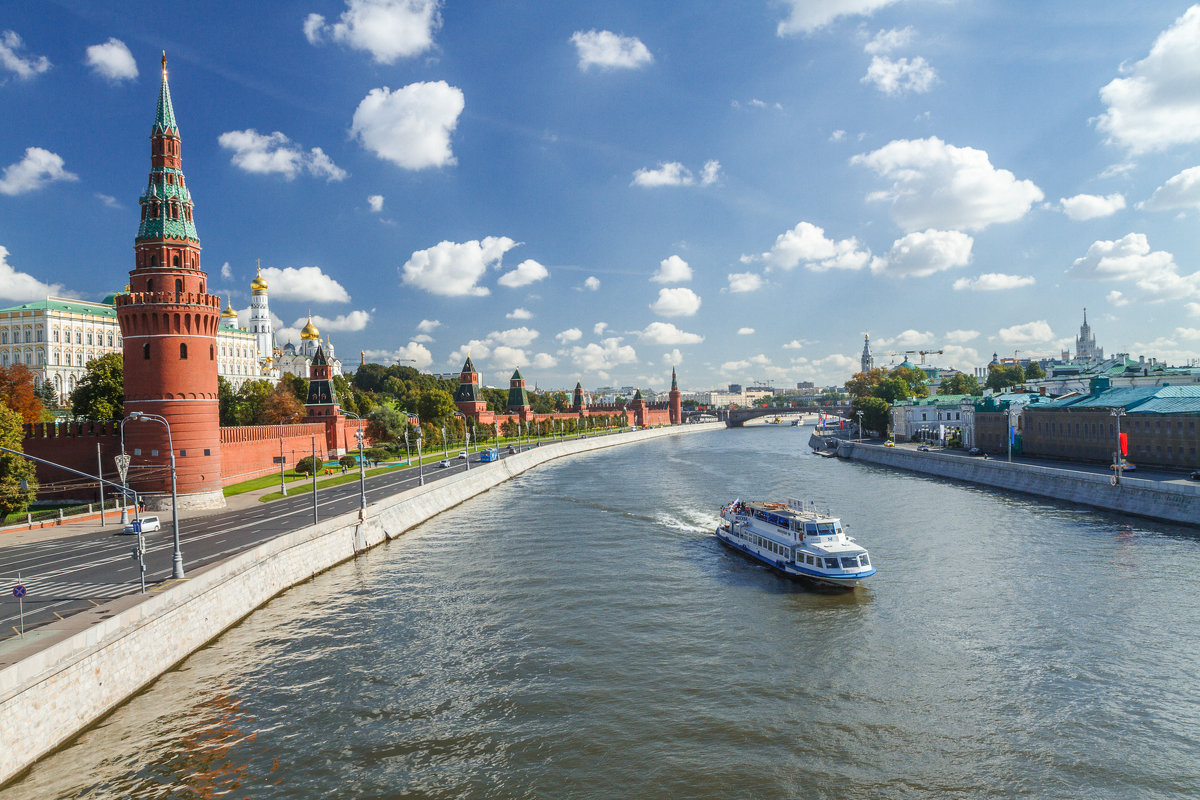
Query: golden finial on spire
{"x":164,"y":63}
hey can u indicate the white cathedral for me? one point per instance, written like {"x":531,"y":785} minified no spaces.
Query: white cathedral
{"x":289,"y":359}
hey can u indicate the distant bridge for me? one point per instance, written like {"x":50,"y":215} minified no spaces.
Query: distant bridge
{"x":737,"y":417}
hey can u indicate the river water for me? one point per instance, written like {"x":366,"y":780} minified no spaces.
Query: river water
{"x":579,"y":633}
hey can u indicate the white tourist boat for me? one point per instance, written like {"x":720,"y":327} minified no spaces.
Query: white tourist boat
{"x":795,"y":539}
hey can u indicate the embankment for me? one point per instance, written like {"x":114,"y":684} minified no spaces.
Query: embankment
{"x":73,"y":672}
{"x":1168,"y":502}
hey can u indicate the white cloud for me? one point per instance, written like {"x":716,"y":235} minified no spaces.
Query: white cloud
{"x":744,"y":282}
{"x":569,"y":335}
{"x":808,"y":244}
{"x":994,"y":282}
{"x":745,"y":331}
{"x":960,"y":336}
{"x":741,"y":365}
{"x":506,"y":358}
{"x":1031,"y":333}
{"x":34,"y":171}
{"x":275,"y":153}
{"x":592,"y":283}
{"x":226,"y":271}
{"x":21,"y":66}
{"x":304,"y":283}
{"x":519,"y":313}
{"x":354,"y":321}
{"x":674,"y":358}
{"x":924,"y":253}
{"x":112,"y":60}
{"x":795,"y":344}
{"x":387,"y":29}
{"x":608,"y":50}
{"x":20,"y":286}
{"x":513,"y":337}
{"x":1090,"y":206}
{"x":1153,"y":273}
{"x":1157,"y":105}
{"x":108,"y":200}
{"x":603,"y":356}
{"x":938,"y":185}
{"x":423,"y":338}
{"x":672,"y":270}
{"x":1180,"y":191}
{"x":680,"y":302}
{"x":910,"y":339}
{"x":889,"y":40}
{"x":527,"y":272}
{"x":1117,"y":298}
{"x":410,"y":127}
{"x":837,"y":135}
{"x":410,"y":355}
{"x":375,"y":201}
{"x":898,"y":76}
{"x":451,"y":269}
{"x":666,"y":333}
{"x":543,"y":361}
{"x":807,"y":16}
{"x":428,"y":325}
{"x":836,"y":364}
{"x":672,"y":173}
{"x":599,"y":328}
{"x":1192,"y":309}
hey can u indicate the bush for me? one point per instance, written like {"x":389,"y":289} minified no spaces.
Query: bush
{"x":308,"y":465}
{"x":348,"y":461}
{"x":376,"y":453}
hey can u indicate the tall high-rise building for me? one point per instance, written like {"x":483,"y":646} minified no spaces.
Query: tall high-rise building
{"x":1085,"y":343}
{"x":260,"y":320}
{"x":169,"y":326}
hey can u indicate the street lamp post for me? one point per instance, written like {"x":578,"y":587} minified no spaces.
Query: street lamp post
{"x":860,"y":427}
{"x":177,"y":555}
{"x":1013,"y":415}
{"x":420,"y":466}
{"x":1118,"y":457}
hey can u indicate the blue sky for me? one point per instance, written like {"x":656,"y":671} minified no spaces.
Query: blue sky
{"x":601,"y":191}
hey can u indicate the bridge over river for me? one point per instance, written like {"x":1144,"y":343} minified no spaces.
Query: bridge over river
{"x":737,"y":417}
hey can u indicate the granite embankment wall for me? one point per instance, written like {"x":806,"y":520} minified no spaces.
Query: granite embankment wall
{"x":75,"y":671}
{"x":1170,"y":502}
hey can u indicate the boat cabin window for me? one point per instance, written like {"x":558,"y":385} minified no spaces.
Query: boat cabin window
{"x":866,"y":562}
{"x":850,"y":562}
{"x":831,"y":563}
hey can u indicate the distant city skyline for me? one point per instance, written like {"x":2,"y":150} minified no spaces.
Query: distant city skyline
{"x":602,"y":193}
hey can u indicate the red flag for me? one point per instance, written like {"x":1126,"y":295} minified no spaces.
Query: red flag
{"x":1124,"y":444}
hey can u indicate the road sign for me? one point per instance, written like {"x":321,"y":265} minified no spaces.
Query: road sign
{"x":18,"y":591}
{"x":122,"y":465}
{"x":279,"y":460}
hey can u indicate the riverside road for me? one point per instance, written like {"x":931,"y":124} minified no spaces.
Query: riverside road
{"x":70,"y":573}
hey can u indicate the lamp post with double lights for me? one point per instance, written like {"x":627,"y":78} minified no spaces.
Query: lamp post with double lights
{"x":860,"y":427}
{"x":420,"y":466}
{"x":1014,"y":414}
{"x":177,"y":555}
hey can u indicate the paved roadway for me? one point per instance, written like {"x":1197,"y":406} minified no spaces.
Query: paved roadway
{"x":72,"y":572}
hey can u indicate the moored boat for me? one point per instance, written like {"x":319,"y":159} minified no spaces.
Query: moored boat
{"x":795,"y":539}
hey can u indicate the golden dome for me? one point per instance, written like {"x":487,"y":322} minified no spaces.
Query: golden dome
{"x":309,"y":331}
{"x":259,"y":284}
{"x":229,"y":313}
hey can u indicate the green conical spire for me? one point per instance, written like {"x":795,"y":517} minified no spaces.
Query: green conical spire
{"x":164,"y":119}
{"x":674,"y":381}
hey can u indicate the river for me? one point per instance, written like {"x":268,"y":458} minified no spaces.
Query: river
{"x":579,"y":633}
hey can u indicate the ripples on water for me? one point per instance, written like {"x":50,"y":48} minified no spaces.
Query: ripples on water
{"x":578,"y":632}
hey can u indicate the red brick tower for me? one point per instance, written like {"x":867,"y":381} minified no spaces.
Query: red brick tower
{"x":675,"y":404}
{"x":578,"y":402}
{"x":321,"y":404}
{"x":169,"y":326}
{"x":468,"y":398}
{"x":518,"y":397}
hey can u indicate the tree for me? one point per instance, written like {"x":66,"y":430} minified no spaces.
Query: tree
{"x":13,"y":468}
{"x":386,"y":424}
{"x":1002,"y":376}
{"x":308,"y":465}
{"x":893,"y":389}
{"x":1034,"y":371}
{"x":280,"y":407}
{"x":101,"y":393}
{"x":875,"y":413}
{"x":49,"y":397}
{"x":226,"y":403}
{"x":915,"y":379}
{"x":18,"y":389}
{"x":435,"y":404}
{"x":960,"y":383}
{"x":863,"y":384}
{"x":297,"y":385}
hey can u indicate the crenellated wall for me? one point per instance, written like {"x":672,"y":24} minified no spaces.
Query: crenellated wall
{"x":248,"y":452}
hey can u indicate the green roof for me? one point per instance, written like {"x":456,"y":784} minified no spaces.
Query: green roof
{"x":68,"y":306}
{"x":164,"y":118}
{"x":1138,"y":400}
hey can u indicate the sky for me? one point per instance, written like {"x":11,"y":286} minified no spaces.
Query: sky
{"x":601,"y":191}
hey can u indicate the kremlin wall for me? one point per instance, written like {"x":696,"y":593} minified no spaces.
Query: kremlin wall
{"x":169,"y":332}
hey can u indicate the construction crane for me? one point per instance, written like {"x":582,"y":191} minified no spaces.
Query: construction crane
{"x":921,"y":353}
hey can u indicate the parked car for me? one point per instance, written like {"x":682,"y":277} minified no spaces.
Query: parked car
{"x":975,"y":451}
{"x":1195,"y":475}
{"x":1124,"y":467}
{"x":889,"y":443}
{"x":149,"y":524}
{"x":924,"y":448}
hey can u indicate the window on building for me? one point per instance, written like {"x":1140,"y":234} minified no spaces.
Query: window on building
{"x":183,"y":350}
{"x":79,"y":359}
{"x":110,"y":344}
{"x":39,"y":335}
{"x":3,"y":337}
{"x":54,"y":334}
{"x":146,"y":351}
{"x":78,"y":337}
{"x":89,"y":338}
{"x":28,"y":335}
